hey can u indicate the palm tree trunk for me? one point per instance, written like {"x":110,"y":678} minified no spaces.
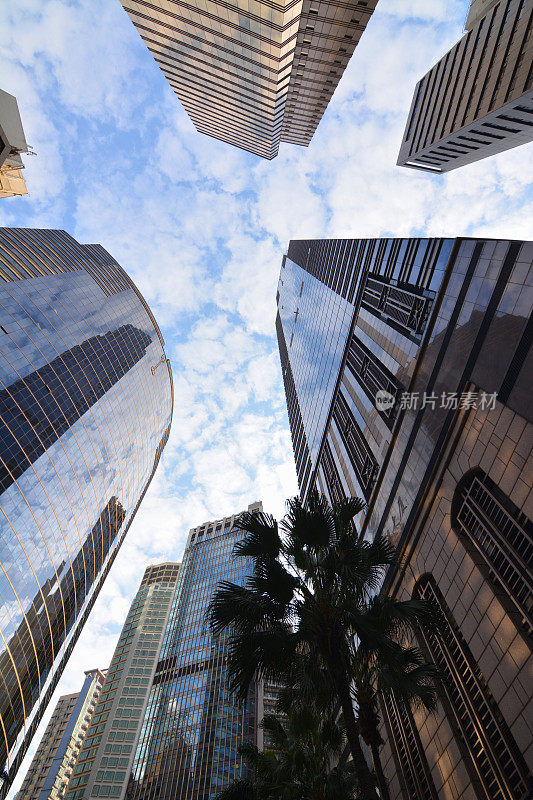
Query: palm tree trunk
{"x":380,"y":775}
{"x":364,"y":775}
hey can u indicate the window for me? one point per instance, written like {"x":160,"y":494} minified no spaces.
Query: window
{"x":411,"y":763}
{"x":499,"y":538}
{"x":496,"y":766}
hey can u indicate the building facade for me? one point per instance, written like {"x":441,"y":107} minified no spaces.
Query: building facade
{"x":192,"y":727}
{"x":12,"y":144}
{"x":478,"y":99}
{"x":81,"y":356}
{"x":57,"y":753}
{"x":104,"y":764}
{"x":406,"y":367}
{"x":252,"y":74}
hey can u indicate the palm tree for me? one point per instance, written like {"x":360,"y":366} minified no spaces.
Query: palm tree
{"x":314,"y":590}
{"x":305,"y":744}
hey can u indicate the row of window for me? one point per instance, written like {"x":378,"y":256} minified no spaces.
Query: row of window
{"x":500,"y":539}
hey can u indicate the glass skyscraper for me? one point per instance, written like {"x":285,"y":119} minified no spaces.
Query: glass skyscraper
{"x":192,"y":727}
{"x":85,"y":410}
{"x":407,"y":366}
{"x":166,"y":727}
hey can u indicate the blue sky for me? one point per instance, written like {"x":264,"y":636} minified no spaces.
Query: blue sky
{"x":201,"y":227}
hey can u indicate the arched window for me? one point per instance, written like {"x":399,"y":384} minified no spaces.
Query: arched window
{"x":496,"y":766}
{"x":500,"y":540}
{"x":413,"y":770}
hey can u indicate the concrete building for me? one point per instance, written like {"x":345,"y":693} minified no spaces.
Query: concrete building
{"x":12,"y":144}
{"x":85,"y":410}
{"x":252,"y":73}
{"x":478,"y":99}
{"x":407,"y":367}
{"x":51,"y":767}
{"x":105,"y":761}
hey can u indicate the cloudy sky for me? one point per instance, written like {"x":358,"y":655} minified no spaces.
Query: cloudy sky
{"x":201,"y":227}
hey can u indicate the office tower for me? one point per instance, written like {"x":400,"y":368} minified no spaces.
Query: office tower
{"x":12,"y":144}
{"x":192,"y":727}
{"x":104,"y":764}
{"x":180,"y":741}
{"x":85,"y":409}
{"x":252,"y":74}
{"x":51,"y":767}
{"x":406,"y":365}
{"x":478,"y":99}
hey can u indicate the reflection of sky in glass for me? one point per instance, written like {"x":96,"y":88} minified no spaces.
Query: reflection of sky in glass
{"x":316,"y":337}
{"x":50,"y":511}
{"x":192,"y":727}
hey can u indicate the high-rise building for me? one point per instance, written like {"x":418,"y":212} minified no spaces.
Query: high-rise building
{"x":180,"y":738}
{"x":12,"y":144}
{"x":192,"y":727}
{"x":51,"y":767}
{"x":478,"y":99}
{"x":85,"y":410}
{"x":407,"y":368}
{"x":252,"y":74}
{"x":104,"y":764}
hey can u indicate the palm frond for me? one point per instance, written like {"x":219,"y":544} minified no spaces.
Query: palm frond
{"x":311,"y":525}
{"x":262,"y":538}
{"x":239,"y":607}
{"x":262,"y":654}
{"x":272,"y":579}
{"x":345,"y":510}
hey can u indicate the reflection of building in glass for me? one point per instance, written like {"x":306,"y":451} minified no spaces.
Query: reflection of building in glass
{"x":12,"y":144}
{"x":78,"y":345}
{"x":252,"y":74}
{"x":52,"y":765}
{"x":478,"y":99}
{"x":406,"y":365}
{"x":104,"y":764}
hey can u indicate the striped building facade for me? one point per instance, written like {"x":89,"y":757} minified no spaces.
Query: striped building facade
{"x":252,"y":72}
{"x":478,"y":99}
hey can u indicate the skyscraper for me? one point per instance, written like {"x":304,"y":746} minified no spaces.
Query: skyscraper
{"x":478,"y":99}
{"x":182,"y":733}
{"x":52,"y":764}
{"x":406,"y":365}
{"x":85,"y":410}
{"x":192,"y":727}
{"x":252,"y":74}
{"x":12,"y":144}
{"x":105,"y":762}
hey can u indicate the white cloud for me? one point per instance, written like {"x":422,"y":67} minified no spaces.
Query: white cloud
{"x":202,"y":227}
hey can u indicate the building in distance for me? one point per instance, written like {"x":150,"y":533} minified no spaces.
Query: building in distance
{"x":12,"y":144}
{"x":105,"y":763}
{"x":249,"y":72}
{"x":51,"y":767}
{"x":478,"y":99}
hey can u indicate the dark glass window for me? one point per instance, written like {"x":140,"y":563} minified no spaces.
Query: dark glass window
{"x":413,"y":769}
{"x":496,"y":766}
{"x":500,"y":540}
